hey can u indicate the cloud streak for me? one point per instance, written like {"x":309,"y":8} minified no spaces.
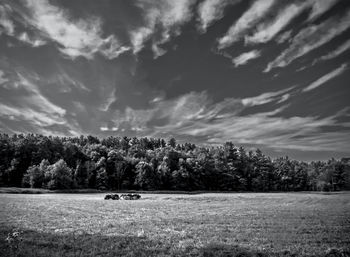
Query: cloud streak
{"x":76,"y":37}
{"x":249,"y":19}
{"x":267,"y":98}
{"x":335,"y":53}
{"x":325,"y":78}
{"x":6,"y":25}
{"x":310,"y":38}
{"x":210,"y":11}
{"x":320,"y":7}
{"x":268,"y":30}
{"x":245,"y":57}
{"x":168,"y":16}
{"x":195,"y":116}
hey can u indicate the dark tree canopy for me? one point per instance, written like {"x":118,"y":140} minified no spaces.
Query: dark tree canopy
{"x":122,"y":163}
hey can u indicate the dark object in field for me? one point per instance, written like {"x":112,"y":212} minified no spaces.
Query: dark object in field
{"x":112,"y":197}
{"x":130,"y":196}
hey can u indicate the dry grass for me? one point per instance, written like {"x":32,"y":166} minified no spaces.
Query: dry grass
{"x":246,"y":224}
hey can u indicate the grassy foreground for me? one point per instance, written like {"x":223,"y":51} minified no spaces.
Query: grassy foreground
{"x":242,"y":224}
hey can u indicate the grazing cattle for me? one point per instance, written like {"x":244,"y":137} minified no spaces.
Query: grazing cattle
{"x":130,"y":196}
{"x":112,"y":196}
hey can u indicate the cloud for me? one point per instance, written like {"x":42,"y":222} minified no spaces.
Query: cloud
{"x":33,"y":111}
{"x":167,"y":16}
{"x":210,"y":11}
{"x":6,"y":25}
{"x":338,"y":71}
{"x":110,"y":100}
{"x":284,"y":98}
{"x":2,"y":78}
{"x":245,"y":57}
{"x":320,"y":7}
{"x":65,"y":81}
{"x":284,"y":37}
{"x":268,"y":129}
{"x":249,"y":19}
{"x":194,"y":116}
{"x":268,"y":30}
{"x":76,"y":37}
{"x":267,"y":98}
{"x":311,"y":38}
{"x":33,"y":42}
{"x":335,"y":53}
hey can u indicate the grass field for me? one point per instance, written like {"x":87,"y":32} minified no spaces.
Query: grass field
{"x":241,"y":224}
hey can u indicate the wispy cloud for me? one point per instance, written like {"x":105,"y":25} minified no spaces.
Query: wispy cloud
{"x":268,"y":129}
{"x":269,"y":29}
{"x":249,"y":19}
{"x":311,"y":38}
{"x":6,"y":25}
{"x":34,"y":106}
{"x":245,"y":57}
{"x":76,"y":37}
{"x":325,"y":78}
{"x":284,"y":37}
{"x":2,"y":78}
{"x":320,"y":7}
{"x":33,"y":111}
{"x":167,"y":15}
{"x":36,"y":42}
{"x":267,"y":98}
{"x":210,"y":11}
{"x":194,"y":116}
{"x":335,"y":53}
{"x":65,"y":81}
{"x":109,"y":100}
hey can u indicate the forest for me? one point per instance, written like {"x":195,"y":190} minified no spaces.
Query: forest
{"x":124,"y":163}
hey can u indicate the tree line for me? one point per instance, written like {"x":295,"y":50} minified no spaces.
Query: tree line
{"x":124,"y":163}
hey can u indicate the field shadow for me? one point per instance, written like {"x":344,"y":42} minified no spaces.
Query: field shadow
{"x":34,"y":243}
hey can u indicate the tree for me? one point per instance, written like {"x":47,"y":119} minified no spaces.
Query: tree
{"x":172,"y":142}
{"x":101,"y":174}
{"x":35,"y":176}
{"x":146,"y":177}
{"x":59,"y":176}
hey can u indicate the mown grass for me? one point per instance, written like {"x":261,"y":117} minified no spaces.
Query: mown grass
{"x":241,"y":224}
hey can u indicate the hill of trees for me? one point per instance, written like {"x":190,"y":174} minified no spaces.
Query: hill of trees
{"x":123,"y":163}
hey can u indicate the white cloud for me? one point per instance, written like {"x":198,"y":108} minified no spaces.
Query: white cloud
{"x":76,"y":37}
{"x":284,"y":98}
{"x":210,"y":11}
{"x":268,"y":30}
{"x":335,"y":53}
{"x":249,"y":19}
{"x":311,"y":38}
{"x":284,"y":37}
{"x":37,"y":100}
{"x":168,"y":15}
{"x":66,"y":81}
{"x":319,"y":7}
{"x":245,"y":57}
{"x":326,"y":78}
{"x":111,"y":98}
{"x":267,"y":98}
{"x":195,"y":116}
{"x":6,"y":25}
{"x":33,"y":42}
{"x":33,"y":111}
{"x":2,"y":78}
{"x":269,"y":129}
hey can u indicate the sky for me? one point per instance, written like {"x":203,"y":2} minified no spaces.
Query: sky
{"x":265,"y":74}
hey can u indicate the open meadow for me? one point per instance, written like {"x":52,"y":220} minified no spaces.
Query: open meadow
{"x":211,"y":224}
